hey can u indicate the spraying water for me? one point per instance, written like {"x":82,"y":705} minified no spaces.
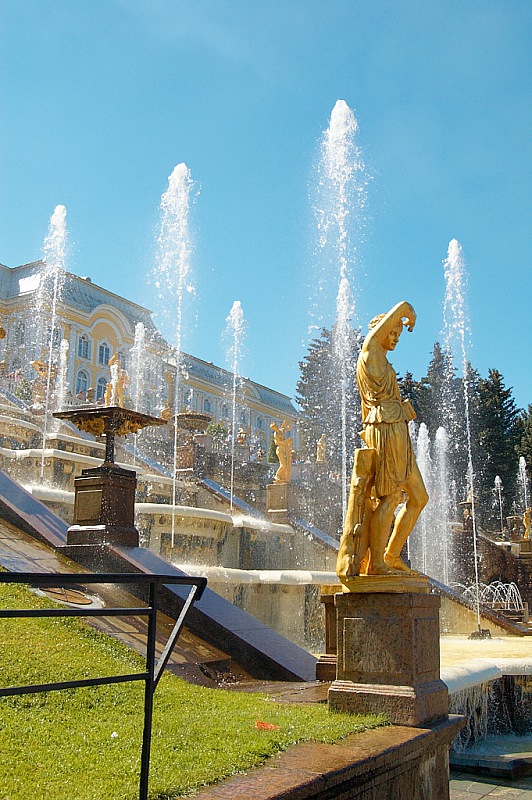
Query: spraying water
{"x":340,"y":199}
{"x":429,"y":548}
{"x":523,"y":480}
{"x":456,"y":335}
{"x":172,"y":277}
{"x":443,"y":500}
{"x":234,"y":333}
{"x":498,"y":494}
{"x":138,"y":362}
{"x":62,"y":376}
{"x":48,"y":296}
{"x":425,"y":467}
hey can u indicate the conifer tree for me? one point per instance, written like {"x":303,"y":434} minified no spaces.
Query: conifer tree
{"x":498,"y":438}
{"x":319,"y":397}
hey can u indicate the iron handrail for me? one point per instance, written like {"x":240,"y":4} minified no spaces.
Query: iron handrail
{"x":153,"y":672}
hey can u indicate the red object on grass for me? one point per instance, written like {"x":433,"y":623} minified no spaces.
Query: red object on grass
{"x":266,"y":726}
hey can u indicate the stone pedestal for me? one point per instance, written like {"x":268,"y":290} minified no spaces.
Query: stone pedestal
{"x":277,"y":501}
{"x":104,"y":507}
{"x":388,"y":649}
{"x":525,"y":548}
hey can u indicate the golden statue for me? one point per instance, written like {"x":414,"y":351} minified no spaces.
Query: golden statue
{"x":115,"y":390}
{"x":385,"y":473}
{"x":527,"y":522}
{"x":283,"y":451}
{"x":321,"y":448}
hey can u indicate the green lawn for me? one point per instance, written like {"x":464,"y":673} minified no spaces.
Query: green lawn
{"x":85,"y":744}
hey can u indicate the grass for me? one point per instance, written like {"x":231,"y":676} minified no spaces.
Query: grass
{"x":86,"y":743}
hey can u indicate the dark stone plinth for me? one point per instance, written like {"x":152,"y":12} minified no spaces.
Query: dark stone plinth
{"x":104,"y":507}
{"x":525,"y":548}
{"x":326,"y":664}
{"x":278,"y":501}
{"x":389,"y":657}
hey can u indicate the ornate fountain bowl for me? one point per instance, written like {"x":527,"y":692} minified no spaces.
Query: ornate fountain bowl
{"x":104,"y":498}
{"x":192,"y":421}
{"x":108,"y":421}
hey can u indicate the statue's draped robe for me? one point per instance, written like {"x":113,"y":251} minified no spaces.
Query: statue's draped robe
{"x":385,"y":417}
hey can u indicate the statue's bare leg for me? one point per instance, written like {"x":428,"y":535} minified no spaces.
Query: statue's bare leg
{"x":405,"y":520}
{"x":381,"y":523}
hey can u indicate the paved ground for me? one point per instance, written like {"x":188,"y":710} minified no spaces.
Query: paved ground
{"x":468,"y":787}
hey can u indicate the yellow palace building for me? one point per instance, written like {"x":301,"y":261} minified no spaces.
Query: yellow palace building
{"x":87,"y":326}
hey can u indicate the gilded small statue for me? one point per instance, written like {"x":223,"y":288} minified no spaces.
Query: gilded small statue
{"x":385,"y":472}
{"x":283,"y":451}
{"x":527,"y":522}
{"x":321,"y":449}
{"x":115,"y":390}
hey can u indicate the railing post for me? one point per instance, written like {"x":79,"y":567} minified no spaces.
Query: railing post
{"x":148,"y":693}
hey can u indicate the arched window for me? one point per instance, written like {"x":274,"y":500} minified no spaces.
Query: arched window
{"x":104,"y":353}
{"x":83,"y":347}
{"x":225,"y":411}
{"x":206,"y":405}
{"x":20,"y":333}
{"x":54,"y":340}
{"x":82,"y":382}
{"x":100,"y":388}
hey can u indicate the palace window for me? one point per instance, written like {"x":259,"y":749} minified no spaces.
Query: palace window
{"x":83,"y":347}
{"x":100,"y":388}
{"x":20,"y":333}
{"x":206,"y":405}
{"x":104,"y":354}
{"x":82,"y":382}
{"x":55,"y":338}
{"x":259,"y":422}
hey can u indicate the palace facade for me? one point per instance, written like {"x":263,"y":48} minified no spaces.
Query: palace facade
{"x":78,"y":327}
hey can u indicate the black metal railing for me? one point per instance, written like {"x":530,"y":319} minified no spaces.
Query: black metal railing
{"x":154,"y":670}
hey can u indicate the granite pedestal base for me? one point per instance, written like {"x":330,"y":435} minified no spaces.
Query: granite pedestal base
{"x":104,"y":507}
{"x":388,"y":649}
{"x":277,"y":501}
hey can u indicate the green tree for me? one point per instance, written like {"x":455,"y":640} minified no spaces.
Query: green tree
{"x":319,"y":395}
{"x":498,"y":439}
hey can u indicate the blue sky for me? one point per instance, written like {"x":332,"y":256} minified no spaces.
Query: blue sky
{"x":99,"y":102}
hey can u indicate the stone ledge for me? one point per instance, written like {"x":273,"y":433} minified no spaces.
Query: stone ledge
{"x":391,"y":762}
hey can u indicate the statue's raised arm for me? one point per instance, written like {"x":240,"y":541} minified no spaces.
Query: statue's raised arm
{"x":402,"y":314}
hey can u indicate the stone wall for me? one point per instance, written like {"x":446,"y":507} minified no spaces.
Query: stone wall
{"x":500,"y":564}
{"x":391,"y":763}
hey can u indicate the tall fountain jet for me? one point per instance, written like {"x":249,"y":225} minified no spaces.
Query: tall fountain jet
{"x":172,"y":277}
{"x":234,"y":333}
{"x":524,"y":482}
{"x":48,"y":296}
{"x":456,"y":343}
{"x":341,"y":198}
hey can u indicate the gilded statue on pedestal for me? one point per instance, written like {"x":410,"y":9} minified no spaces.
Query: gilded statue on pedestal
{"x":527,"y":519}
{"x":115,"y":390}
{"x":283,"y":451}
{"x":321,"y":449}
{"x":385,"y":472}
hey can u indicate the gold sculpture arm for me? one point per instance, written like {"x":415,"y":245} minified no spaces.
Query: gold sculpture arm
{"x":387,"y":322}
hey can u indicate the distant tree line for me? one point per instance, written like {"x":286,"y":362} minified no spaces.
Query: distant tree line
{"x":499,"y":432}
